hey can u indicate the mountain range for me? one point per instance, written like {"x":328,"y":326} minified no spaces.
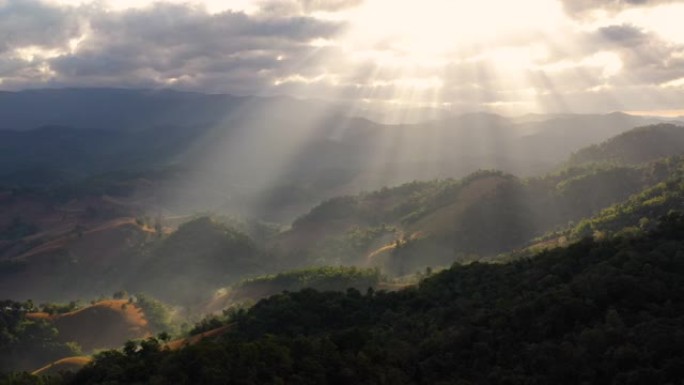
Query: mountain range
{"x":271,"y":158}
{"x":533,"y":249}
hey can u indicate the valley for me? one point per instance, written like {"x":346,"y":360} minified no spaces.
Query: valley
{"x":336,"y":192}
{"x":175,"y":264}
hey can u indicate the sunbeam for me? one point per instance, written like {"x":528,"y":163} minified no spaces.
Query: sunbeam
{"x":341,"y":191}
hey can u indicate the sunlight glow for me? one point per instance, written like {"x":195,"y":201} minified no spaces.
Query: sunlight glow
{"x":494,"y":55}
{"x":677,"y":83}
{"x":415,"y":46}
{"x":416,"y":83}
{"x":33,"y":53}
{"x":514,"y":58}
{"x":663,"y":113}
{"x":305,"y":80}
{"x":432,"y":27}
{"x":609,"y":63}
{"x":665,"y":20}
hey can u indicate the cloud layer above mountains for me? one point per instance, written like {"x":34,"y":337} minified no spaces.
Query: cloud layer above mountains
{"x":588,"y":56}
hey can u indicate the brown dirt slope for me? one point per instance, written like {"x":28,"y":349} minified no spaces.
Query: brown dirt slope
{"x":106,"y":324}
{"x":71,"y":266}
{"x":179,"y":343}
{"x":61,"y":240}
{"x":63,"y":365}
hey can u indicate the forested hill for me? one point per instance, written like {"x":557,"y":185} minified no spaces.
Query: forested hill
{"x":93,"y":233}
{"x":200,"y":147}
{"x":639,"y":145}
{"x":602,"y":310}
{"x":632,"y":215}
{"x":422,"y":224}
{"x":599,"y":312}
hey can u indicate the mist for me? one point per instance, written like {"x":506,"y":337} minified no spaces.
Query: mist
{"x":117,"y":194}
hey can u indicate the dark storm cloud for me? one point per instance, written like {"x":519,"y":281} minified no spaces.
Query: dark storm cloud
{"x":168,"y":45}
{"x":29,"y":22}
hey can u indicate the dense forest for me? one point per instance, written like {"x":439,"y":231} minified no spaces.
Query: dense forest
{"x":599,"y":311}
{"x":572,"y":276}
{"x":26,"y":343}
{"x":636,"y":146}
{"x":478,"y":217}
{"x":319,"y":278}
{"x":341,"y":192}
{"x":197,"y":258}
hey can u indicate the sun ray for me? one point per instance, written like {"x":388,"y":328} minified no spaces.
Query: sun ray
{"x":419,"y":62}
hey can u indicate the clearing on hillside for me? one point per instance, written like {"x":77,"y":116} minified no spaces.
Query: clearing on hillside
{"x":64,"y":365}
{"x":106,"y":324}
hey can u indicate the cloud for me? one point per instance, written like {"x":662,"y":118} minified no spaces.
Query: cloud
{"x":584,"y":8}
{"x":167,"y":45}
{"x":287,"y":7}
{"x":646,"y":57}
{"x":33,"y":23}
{"x":329,"y":5}
{"x":623,"y":34}
{"x":270,"y":51}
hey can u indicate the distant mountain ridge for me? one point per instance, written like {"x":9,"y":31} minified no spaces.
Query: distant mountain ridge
{"x":595,"y":312}
{"x":109,"y":108}
{"x":106,"y":229}
{"x":283,"y":153}
{"x":635,"y":146}
{"x":131,"y":109}
{"x":486,"y":213}
{"x":586,"y":270}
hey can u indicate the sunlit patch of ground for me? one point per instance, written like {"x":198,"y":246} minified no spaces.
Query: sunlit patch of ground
{"x":386,"y":249}
{"x":63,"y":365}
{"x":106,"y":324}
{"x":179,"y":343}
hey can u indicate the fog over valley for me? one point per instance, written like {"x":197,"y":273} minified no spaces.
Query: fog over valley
{"x":341,"y":192}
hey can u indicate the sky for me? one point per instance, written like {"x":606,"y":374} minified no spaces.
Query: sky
{"x":510,"y":57}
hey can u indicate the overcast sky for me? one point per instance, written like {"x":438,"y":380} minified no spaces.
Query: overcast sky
{"x":498,"y":55}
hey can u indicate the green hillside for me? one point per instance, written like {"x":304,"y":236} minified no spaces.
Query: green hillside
{"x":325,"y":278}
{"x":422,"y":224}
{"x":321,"y":278}
{"x":419,"y":224}
{"x":196,"y":259}
{"x":636,"y":146}
{"x":595,"y":312}
{"x":101,"y":246}
{"x":25,"y":343}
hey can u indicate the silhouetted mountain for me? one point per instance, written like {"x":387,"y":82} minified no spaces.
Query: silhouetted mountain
{"x":569,"y":133}
{"x":635,"y":146}
{"x":111,"y":109}
{"x":267,"y":157}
